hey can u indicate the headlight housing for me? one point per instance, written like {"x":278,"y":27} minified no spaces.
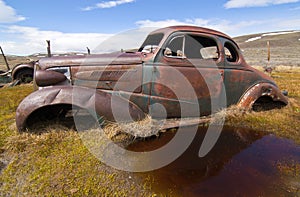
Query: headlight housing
{"x":53,"y":76}
{"x":65,"y":70}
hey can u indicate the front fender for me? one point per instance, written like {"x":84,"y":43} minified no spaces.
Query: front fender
{"x":260,"y":90}
{"x":95,"y":101}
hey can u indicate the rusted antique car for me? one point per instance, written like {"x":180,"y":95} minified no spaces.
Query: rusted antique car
{"x":23,"y":73}
{"x":179,"y":71}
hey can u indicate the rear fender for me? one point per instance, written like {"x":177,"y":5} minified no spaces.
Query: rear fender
{"x":261,"y":90}
{"x":95,"y":101}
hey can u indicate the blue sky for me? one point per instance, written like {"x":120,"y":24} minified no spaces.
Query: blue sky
{"x":73,"y":25}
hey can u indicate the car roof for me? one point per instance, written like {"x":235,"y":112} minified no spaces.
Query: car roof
{"x":183,"y":28}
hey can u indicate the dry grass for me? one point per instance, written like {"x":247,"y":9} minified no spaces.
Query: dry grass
{"x":13,"y":61}
{"x":58,"y":164}
{"x":145,"y":128}
{"x":290,"y":173}
{"x":54,"y":162}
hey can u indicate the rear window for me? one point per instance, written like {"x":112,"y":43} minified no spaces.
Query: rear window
{"x":231,"y":53}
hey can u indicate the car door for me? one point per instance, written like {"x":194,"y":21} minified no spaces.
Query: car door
{"x":186,"y":78}
{"x":237,"y":77}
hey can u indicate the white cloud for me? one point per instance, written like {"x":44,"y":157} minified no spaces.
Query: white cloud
{"x":291,"y":24}
{"x":229,"y":27}
{"x":220,"y":25}
{"x":29,"y":40}
{"x":107,"y":4}
{"x":257,"y":3}
{"x":8,"y":14}
{"x":20,"y":40}
{"x":162,"y":23}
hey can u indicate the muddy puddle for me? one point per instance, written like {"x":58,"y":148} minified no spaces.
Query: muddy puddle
{"x":242,"y":163}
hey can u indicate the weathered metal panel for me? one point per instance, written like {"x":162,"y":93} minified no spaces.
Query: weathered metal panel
{"x":259,"y":90}
{"x":92,"y":60}
{"x":113,"y":77}
{"x":94,"y":101}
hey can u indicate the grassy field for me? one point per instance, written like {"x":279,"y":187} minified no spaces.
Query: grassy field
{"x":57,"y":163}
{"x":14,"y":60}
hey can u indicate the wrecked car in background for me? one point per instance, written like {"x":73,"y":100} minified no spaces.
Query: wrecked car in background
{"x":21,"y":73}
{"x":209,"y":61}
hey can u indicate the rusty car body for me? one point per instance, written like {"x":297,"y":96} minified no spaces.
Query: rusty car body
{"x":209,"y":61}
{"x":23,"y":72}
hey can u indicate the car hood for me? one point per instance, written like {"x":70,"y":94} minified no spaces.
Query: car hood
{"x":90,"y":60}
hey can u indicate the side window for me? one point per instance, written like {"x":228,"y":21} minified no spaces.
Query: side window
{"x":200,"y":47}
{"x":175,"y":47}
{"x":192,"y":47}
{"x":231,"y":54}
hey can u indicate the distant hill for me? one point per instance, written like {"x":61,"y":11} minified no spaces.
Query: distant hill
{"x":285,"y":48}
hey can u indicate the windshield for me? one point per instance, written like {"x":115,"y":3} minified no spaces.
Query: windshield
{"x":151,"y":43}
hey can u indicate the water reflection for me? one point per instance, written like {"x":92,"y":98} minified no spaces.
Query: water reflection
{"x":243,"y":163}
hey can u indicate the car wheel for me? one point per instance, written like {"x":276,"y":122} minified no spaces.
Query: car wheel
{"x":24,"y":76}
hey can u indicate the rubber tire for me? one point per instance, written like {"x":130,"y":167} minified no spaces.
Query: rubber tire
{"x":24,"y":76}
